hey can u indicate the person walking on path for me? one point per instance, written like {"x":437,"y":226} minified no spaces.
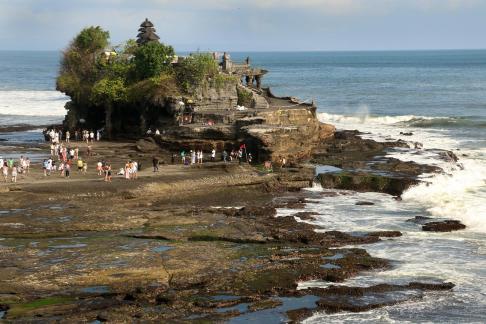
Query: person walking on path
{"x":14,"y":173}
{"x":67,"y":169}
{"x":155,"y":163}
{"x":5,"y":171}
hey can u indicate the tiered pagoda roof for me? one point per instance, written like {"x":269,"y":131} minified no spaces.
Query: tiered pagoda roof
{"x":147,"y":33}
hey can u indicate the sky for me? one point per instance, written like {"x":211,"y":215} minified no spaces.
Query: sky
{"x":252,"y":25}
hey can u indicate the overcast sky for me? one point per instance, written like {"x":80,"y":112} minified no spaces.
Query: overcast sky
{"x":246,"y":25}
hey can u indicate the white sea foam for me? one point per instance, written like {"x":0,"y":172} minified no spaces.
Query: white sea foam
{"x":32,"y":103}
{"x":458,"y":194}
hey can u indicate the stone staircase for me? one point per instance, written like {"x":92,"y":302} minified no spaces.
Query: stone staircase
{"x":259,"y":100}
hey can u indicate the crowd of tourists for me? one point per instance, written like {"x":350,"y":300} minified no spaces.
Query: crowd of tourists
{"x":11,"y":168}
{"x":56,"y":136}
{"x":192,"y":157}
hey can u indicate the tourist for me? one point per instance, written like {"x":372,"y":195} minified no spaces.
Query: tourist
{"x":89,"y":151}
{"x":27,"y":165}
{"x":107,"y":172}
{"x":85,"y":167}
{"x":99,"y":167}
{"x":134,"y":170}
{"x":71,"y":154}
{"x":183,"y":156}
{"x":193,"y":157}
{"x":91,"y":136}
{"x":199,"y":156}
{"x":61,"y":168}
{"x":250,"y":158}
{"x":49,"y":166}
{"x":5,"y":171}
{"x":155,"y":164}
{"x":76,"y":153}
{"x":98,"y":135}
{"x":14,"y":173}
{"x":127,"y":170}
{"x":53,"y":147}
{"x":240,"y":155}
{"x":68,"y":136}
{"x":213,"y":155}
{"x":67,"y":169}
{"x":76,"y":135}
{"x":80,"y":165}
{"x":157,"y":132}
{"x":225,"y":156}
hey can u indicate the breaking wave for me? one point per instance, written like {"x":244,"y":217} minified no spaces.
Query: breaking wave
{"x":32,"y":103}
{"x":406,"y":120}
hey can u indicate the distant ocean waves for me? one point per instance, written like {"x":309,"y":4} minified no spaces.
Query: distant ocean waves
{"x":407,"y":120}
{"x":31,"y":107}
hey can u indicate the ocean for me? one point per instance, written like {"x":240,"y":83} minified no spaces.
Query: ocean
{"x":439,"y":96}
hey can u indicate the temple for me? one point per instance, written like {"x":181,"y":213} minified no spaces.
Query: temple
{"x":147,"y":33}
{"x":227,"y":109}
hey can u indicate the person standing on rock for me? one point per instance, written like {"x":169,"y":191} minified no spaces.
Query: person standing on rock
{"x":183,"y":156}
{"x":193,"y":157}
{"x":5,"y":171}
{"x":155,"y":163}
{"x":80,"y":165}
{"x":14,"y":173}
{"x":67,"y":169}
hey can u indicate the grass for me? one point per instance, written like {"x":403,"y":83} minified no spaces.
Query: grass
{"x":21,"y":308}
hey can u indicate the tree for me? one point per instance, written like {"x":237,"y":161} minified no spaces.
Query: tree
{"x":153,"y":58}
{"x":92,"y":39}
{"x":195,"y":69}
{"x":107,"y":92}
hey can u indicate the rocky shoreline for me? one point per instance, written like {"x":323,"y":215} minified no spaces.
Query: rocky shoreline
{"x":198,"y":243}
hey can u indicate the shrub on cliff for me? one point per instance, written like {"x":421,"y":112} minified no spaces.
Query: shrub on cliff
{"x":92,"y":39}
{"x":153,"y":58}
{"x":194,"y":70}
{"x":154,"y":90}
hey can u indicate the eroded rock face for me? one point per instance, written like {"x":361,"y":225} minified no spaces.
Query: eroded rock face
{"x":443,"y":226}
{"x":359,"y":181}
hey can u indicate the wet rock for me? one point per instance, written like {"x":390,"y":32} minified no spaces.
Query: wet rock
{"x":448,"y":156}
{"x":360,"y":181}
{"x":359,"y":299}
{"x":251,"y":211}
{"x":419,"y":219}
{"x":306,"y":215}
{"x":147,"y":145}
{"x":386,"y":234}
{"x":364,"y":203}
{"x":443,"y":226}
{"x":264,"y":304}
{"x":408,"y":168}
{"x":297,"y":315}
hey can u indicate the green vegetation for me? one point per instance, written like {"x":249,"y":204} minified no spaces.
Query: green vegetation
{"x":196,"y":69}
{"x":152,"y":59}
{"x":22,"y":308}
{"x":244,"y":98}
{"x":101,"y":80}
